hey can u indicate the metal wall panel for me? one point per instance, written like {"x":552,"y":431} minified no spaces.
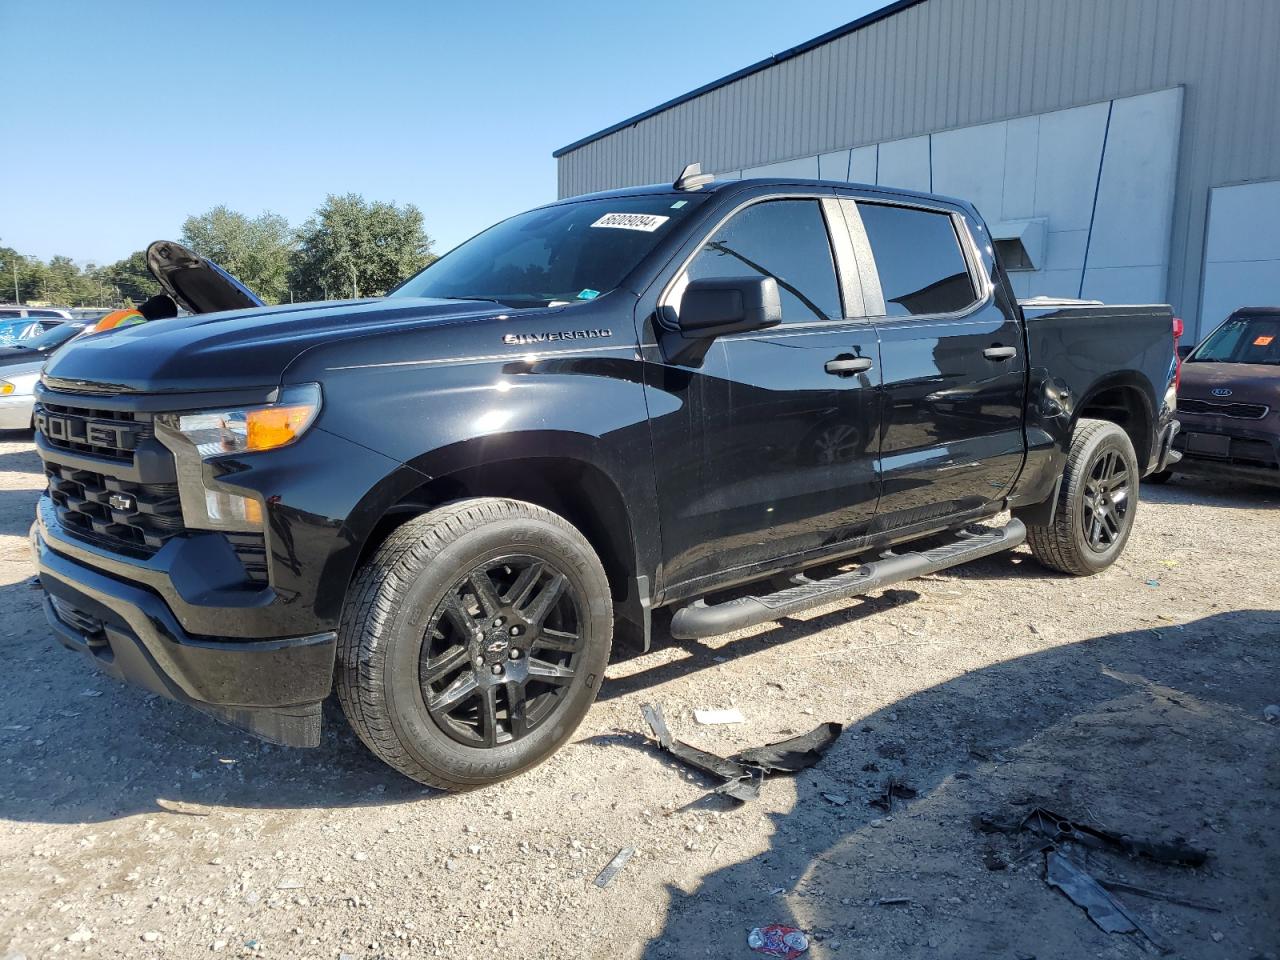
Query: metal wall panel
{"x":944,"y":64}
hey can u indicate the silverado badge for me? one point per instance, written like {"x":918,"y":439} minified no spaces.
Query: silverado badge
{"x":524,"y":339}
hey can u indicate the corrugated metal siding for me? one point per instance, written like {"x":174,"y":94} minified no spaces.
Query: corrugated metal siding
{"x":953,"y":63}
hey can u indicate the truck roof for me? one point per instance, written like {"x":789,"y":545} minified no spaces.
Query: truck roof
{"x":722,"y":186}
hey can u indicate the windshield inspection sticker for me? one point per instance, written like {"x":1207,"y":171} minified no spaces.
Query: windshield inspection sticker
{"x":646,"y":222}
{"x":588,"y":294}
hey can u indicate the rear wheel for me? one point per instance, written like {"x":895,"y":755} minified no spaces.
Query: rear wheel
{"x":1097,"y":502}
{"x":474,"y":641}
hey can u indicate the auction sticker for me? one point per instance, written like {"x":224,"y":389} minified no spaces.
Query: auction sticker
{"x":646,"y":222}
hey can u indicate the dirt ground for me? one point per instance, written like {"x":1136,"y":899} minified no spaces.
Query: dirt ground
{"x":134,"y":827}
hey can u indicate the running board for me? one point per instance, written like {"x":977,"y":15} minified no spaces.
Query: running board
{"x":701,"y":619}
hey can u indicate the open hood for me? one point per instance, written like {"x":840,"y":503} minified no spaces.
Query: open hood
{"x":196,"y":284}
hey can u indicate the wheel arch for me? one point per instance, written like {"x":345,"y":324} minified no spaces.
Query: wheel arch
{"x":1125,"y":400}
{"x":561,"y":475}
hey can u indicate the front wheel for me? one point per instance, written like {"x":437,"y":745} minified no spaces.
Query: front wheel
{"x":1097,"y":502}
{"x":474,"y":641}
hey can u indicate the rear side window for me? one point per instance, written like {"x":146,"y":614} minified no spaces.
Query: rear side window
{"x":922,"y":268}
{"x":783,"y":239}
{"x":43,"y":313}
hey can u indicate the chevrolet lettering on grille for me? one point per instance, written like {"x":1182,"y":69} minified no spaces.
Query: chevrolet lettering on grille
{"x":78,"y":430}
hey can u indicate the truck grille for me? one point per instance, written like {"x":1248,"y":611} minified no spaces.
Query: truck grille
{"x":113,"y":484}
{"x":101,"y":433}
{"x":117,"y":514}
{"x":1242,"y":411}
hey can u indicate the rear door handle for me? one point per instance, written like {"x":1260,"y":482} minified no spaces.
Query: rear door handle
{"x":1000,"y":353}
{"x":844,"y":367}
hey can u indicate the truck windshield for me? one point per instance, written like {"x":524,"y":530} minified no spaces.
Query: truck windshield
{"x":564,"y":254}
{"x":1243,"y":339}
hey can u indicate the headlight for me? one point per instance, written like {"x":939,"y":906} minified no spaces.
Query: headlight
{"x":201,"y":436}
{"x":215,"y":433}
{"x":6,"y":388}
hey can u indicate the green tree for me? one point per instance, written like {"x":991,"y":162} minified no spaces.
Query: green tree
{"x":129,"y":280}
{"x":355,"y":248}
{"x":256,"y":251}
{"x":32,"y":275}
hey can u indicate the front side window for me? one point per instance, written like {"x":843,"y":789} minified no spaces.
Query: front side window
{"x":564,"y":254}
{"x":1242,"y":339}
{"x":917,"y":252}
{"x":783,"y":239}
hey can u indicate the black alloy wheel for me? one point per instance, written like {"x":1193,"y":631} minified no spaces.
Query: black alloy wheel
{"x":500,"y":650}
{"x":1106,"y":500}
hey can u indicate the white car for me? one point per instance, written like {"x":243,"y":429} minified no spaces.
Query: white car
{"x":17,"y":389}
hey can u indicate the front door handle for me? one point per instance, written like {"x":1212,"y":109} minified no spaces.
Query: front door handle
{"x":847,"y":366}
{"x":1000,"y":353}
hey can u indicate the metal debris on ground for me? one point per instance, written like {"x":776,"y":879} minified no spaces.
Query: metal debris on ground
{"x":776,"y":940}
{"x":1120,"y":886}
{"x":1061,"y":837}
{"x":893,"y":787}
{"x":894,"y":902}
{"x":730,"y":715}
{"x":1084,"y":891}
{"x":745,"y":771}
{"x":614,"y":867}
{"x":839,"y":799}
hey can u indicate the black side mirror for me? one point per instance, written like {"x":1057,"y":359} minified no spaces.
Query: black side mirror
{"x":715,"y":306}
{"x":1184,"y":350}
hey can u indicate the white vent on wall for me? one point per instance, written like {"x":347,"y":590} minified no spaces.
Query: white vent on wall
{"x":1020,"y":244}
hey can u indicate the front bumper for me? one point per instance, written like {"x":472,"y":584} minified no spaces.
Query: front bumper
{"x":272,"y":688}
{"x":1245,"y":449}
{"x":15,"y":412}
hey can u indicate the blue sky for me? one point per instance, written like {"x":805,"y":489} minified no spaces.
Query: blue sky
{"x":124,"y":118}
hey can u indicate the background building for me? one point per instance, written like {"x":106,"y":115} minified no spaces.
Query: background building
{"x":1126,"y":150}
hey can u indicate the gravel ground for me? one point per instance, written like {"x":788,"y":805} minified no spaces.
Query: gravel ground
{"x":134,"y":827}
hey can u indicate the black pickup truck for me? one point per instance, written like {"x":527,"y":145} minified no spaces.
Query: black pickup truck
{"x":443,"y":501}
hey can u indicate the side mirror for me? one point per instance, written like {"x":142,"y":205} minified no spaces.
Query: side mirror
{"x":1184,"y":350}
{"x":715,"y":306}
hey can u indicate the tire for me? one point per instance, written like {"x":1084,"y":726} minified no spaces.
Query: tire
{"x":1160,"y":476}
{"x":458,"y":686}
{"x":1097,"y":503}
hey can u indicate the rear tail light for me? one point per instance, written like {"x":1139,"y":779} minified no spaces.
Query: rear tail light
{"x":1178,"y":329}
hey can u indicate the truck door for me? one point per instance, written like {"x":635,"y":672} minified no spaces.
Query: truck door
{"x":768,"y":449}
{"x":953,"y":366}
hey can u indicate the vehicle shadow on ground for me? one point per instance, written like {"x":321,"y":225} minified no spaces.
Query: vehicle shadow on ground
{"x":1152,"y":733}
{"x":1214,"y":493}
{"x":24,"y":460}
{"x":78,"y":746}
{"x":17,"y":511}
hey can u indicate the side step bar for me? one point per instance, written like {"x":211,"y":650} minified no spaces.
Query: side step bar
{"x":701,"y":619}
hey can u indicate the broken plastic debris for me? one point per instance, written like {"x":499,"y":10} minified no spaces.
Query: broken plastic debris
{"x":743,"y":772}
{"x":614,"y":867}
{"x":839,"y":799}
{"x":1057,"y":829}
{"x":775,"y":940}
{"x":731,"y":715}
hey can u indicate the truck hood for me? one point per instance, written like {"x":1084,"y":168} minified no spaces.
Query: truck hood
{"x":196,"y":284}
{"x":244,"y":348}
{"x":1248,"y":382}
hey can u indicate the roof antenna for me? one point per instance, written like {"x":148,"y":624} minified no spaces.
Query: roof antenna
{"x":692,"y":177}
